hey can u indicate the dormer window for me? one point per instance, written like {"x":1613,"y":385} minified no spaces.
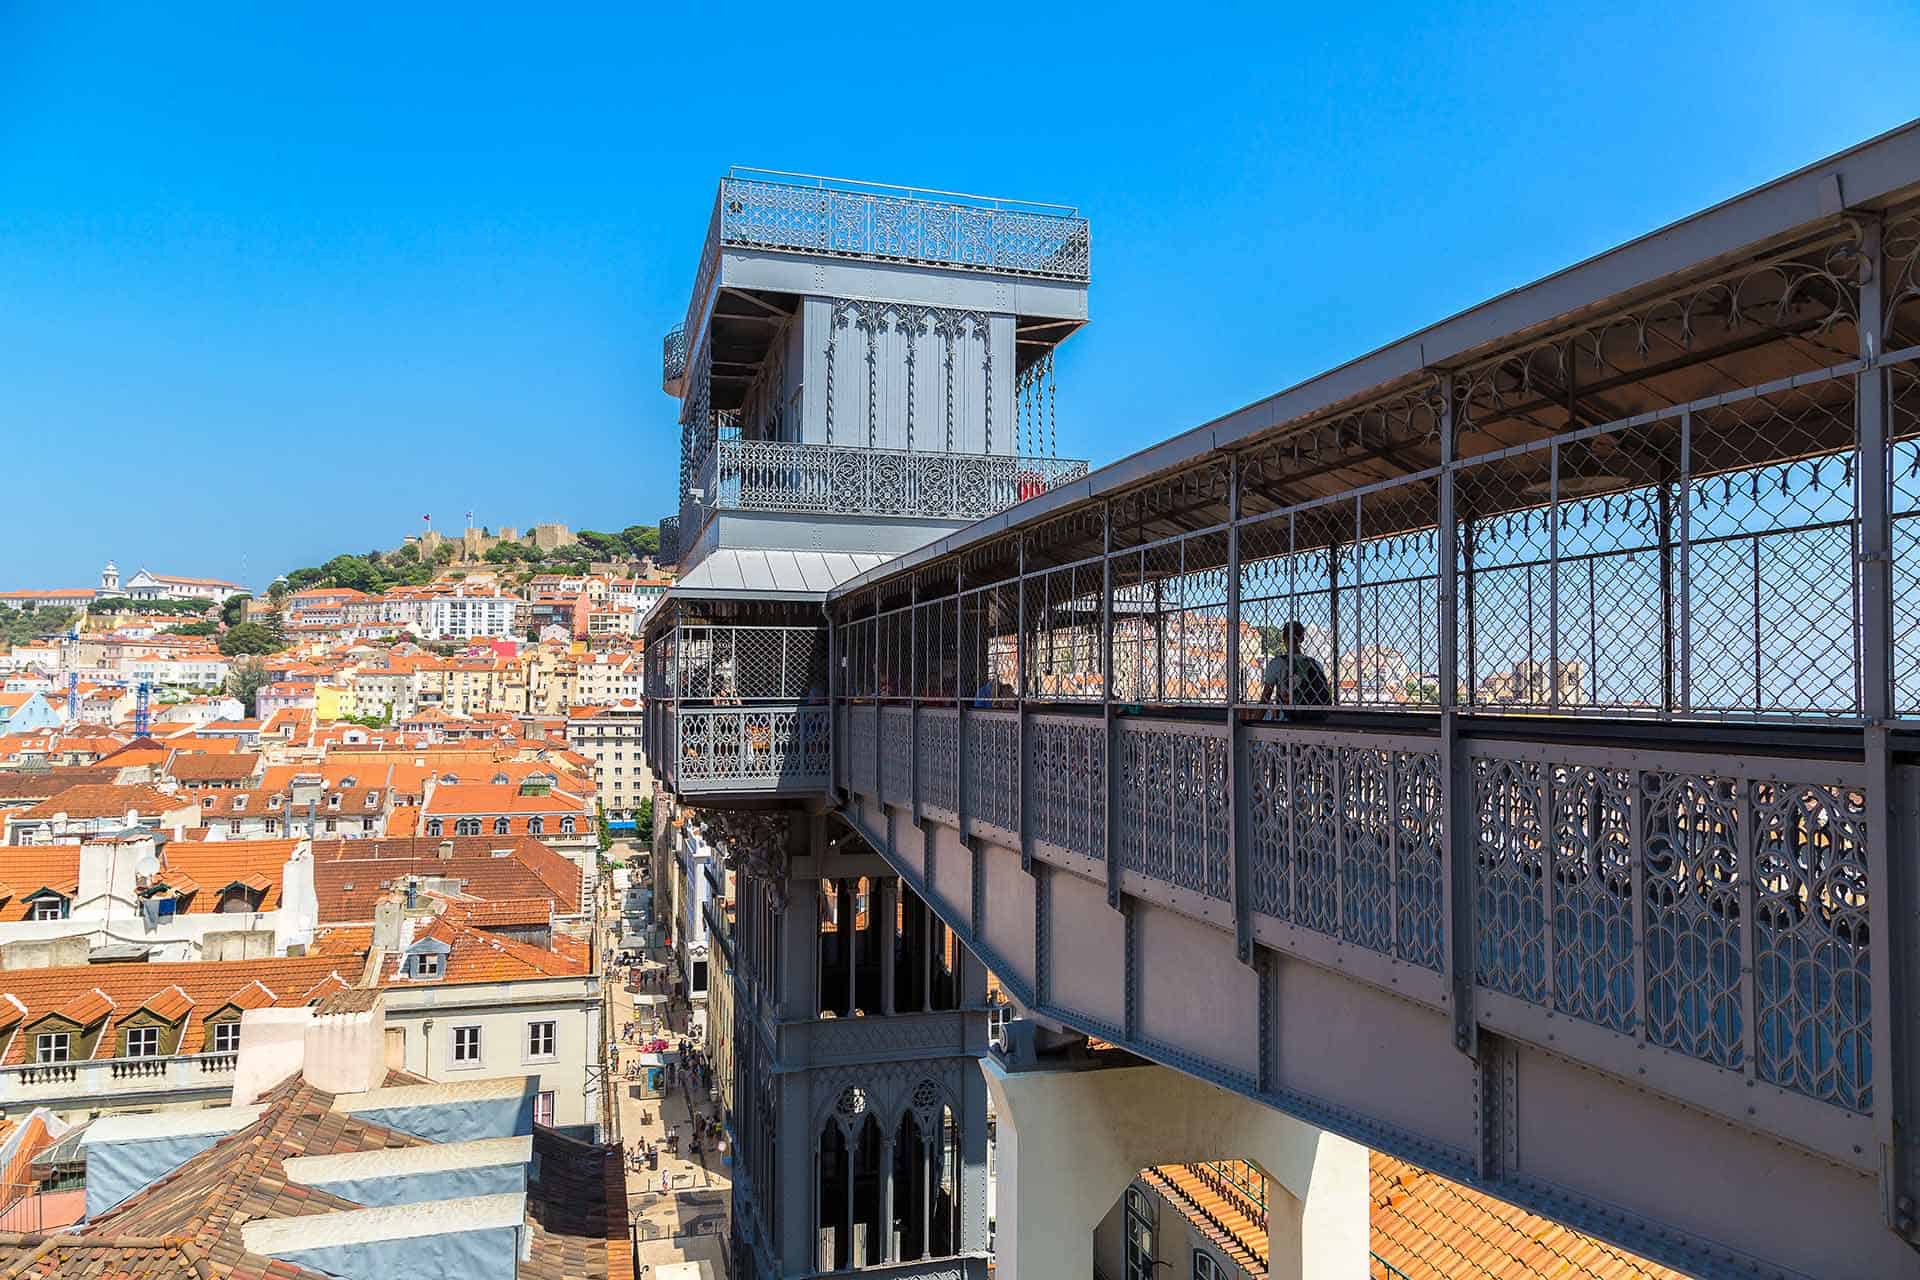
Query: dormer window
{"x":536,"y":826}
{"x":501,"y":826}
{"x":566,"y":826}
{"x":239,"y":803}
{"x":426,"y":964}
{"x":53,"y":1046}
{"x":48,"y":906}
{"x":140,"y":1042}
{"x":466,"y":827}
{"x":333,"y":801}
{"x":273,"y":802}
{"x":206,"y":802}
{"x":434,"y":827}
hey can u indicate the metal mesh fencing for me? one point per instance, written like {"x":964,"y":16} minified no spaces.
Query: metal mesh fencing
{"x":989,"y":642}
{"x":1170,"y":621}
{"x":1903,"y":476}
{"x":1064,"y":621}
{"x":751,"y":664}
{"x":1772,"y":519}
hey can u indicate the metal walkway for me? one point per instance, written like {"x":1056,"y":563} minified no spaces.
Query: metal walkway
{"x":1496,"y":750}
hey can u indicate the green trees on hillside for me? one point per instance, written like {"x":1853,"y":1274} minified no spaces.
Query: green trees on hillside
{"x":18,"y":626}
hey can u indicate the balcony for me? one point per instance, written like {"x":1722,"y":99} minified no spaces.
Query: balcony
{"x":673,"y":361}
{"x":826,"y":479}
{"x":766,"y":210}
{"x":738,"y":709}
{"x":112,"y":1082}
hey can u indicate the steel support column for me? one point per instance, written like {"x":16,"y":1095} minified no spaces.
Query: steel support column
{"x":1237,"y":845}
{"x":1456,"y":886}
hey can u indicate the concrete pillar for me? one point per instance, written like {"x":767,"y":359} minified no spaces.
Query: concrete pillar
{"x":1071,"y":1140}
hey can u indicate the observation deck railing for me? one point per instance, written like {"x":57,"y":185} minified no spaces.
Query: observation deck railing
{"x":839,"y":218}
{"x":739,"y":708}
{"x":673,"y":360}
{"x":824,"y":479}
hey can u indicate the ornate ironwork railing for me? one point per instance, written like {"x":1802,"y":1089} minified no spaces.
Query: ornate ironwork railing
{"x":673,"y":360}
{"x":863,"y":221}
{"x":762,"y":748}
{"x":1610,"y":888}
{"x":767,"y":475}
{"x":1029,"y":240}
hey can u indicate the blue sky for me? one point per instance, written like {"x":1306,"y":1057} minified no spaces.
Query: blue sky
{"x":276,"y":280}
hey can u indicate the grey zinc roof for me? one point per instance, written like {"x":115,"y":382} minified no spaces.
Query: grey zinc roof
{"x":761,"y":574}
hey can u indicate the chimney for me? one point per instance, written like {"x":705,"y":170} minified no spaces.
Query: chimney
{"x":445,"y":851}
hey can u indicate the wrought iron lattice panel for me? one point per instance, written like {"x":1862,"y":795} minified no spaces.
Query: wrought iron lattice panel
{"x":862,"y":750}
{"x":1172,"y":805}
{"x":1812,"y":896}
{"x":1510,"y":953}
{"x":1345,"y":839}
{"x":752,"y":748}
{"x":896,"y":755}
{"x":858,"y":224}
{"x":1067,"y":773}
{"x":1695,"y":878}
{"x":993,"y":774}
{"x":834,"y":479}
{"x":1419,"y":815}
{"x":939,"y":751}
{"x":1593,"y":956}
{"x":673,"y":358}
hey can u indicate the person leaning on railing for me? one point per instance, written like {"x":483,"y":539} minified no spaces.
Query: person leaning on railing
{"x":1292,"y":680}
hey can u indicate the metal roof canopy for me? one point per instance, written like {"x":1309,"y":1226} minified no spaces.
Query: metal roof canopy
{"x":1871,"y":176}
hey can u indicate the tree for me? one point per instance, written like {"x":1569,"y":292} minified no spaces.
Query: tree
{"x":603,"y":546}
{"x":247,"y":677}
{"x":505,"y":553}
{"x":233,"y":610}
{"x":301,"y":579}
{"x":444,"y":553}
{"x":17,"y":626}
{"x":643,"y":817}
{"x":641,"y":540}
{"x":199,"y":628}
{"x":249,"y":637}
{"x":354,"y":573}
{"x":604,"y":831}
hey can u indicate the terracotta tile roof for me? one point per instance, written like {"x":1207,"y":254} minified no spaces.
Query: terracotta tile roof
{"x":1423,"y":1227}
{"x":212,"y":866}
{"x":28,"y":868}
{"x":475,"y":955}
{"x":91,"y":800}
{"x":450,"y":800}
{"x":212,"y":766}
{"x":86,"y":1008}
{"x":1435,"y":1229}
{"x":348,"y":873}
{"x":169,"y":1003}
{"x":88,"y":992}
{"x":505,"y":912}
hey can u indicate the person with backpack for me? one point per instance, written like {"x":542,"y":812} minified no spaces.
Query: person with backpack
{"x":1292,"y":679}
